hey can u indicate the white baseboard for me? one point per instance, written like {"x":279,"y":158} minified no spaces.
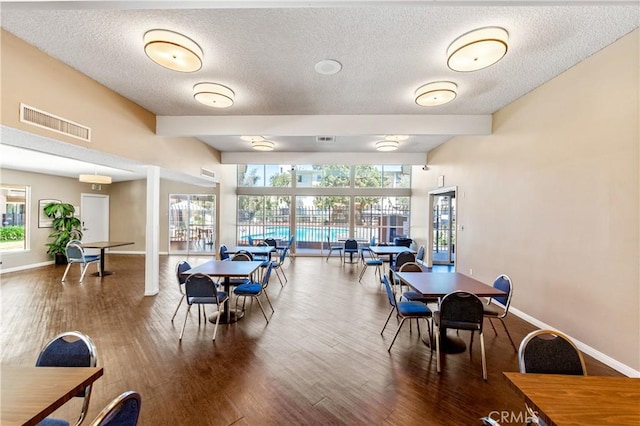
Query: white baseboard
{"x":603,"y":358}
{"x":23,"y":267}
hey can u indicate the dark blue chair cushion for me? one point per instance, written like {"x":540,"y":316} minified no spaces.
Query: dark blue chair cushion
{"x":210,"y":300}
{"x":248,"y":289}
{"x":373,"y":262}
{"x":53,"y":422}
{"x":412,"y":309}
{"x":91,"y":257}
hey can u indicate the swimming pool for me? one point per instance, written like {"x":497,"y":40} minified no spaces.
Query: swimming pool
{"x":303,"y":233}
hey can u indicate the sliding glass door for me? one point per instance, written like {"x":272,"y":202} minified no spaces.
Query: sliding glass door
{"x":192,"y":219}
{"x":444,"y":228}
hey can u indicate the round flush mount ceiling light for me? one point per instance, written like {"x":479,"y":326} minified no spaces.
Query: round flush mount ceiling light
{"x":263,"y":145}
{"x":387,"y":145}
{"x":436,"y":93}
{"x":213,"y":95}
{"x":477,"y":49}
{"x":173,"y":50}
{"x":328,"y":67}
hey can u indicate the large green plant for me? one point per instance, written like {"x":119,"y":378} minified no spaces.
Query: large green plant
{"x":66,"y":226}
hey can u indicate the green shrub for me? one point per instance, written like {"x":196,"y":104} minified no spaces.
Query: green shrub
{"x":12,"y":233}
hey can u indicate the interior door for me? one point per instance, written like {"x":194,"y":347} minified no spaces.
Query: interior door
{"x":94,"y":213}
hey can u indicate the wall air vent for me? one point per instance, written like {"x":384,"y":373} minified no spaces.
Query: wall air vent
{"x":209,"y":174}
{"x":36,"y":117}
{"x":325,"y":139}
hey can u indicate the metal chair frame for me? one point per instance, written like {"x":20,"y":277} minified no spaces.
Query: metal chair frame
{"x":263,"y":290}
{"x":107,"y":417}
{"x":202,"y":296}
{"x":333,"y":247}
{"x":75,"y":254}
{"x":490,"y":313}
{"x":181,"y":267}
{"x":372,"y":261}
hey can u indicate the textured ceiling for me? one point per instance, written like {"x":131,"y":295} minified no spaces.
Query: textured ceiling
{"x":266,"y":54}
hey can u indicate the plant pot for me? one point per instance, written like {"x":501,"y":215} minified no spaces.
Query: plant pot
{"x":60,"y":259}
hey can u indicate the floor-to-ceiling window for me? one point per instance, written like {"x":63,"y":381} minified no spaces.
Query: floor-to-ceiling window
{"x":192,"y":220}
{"x":332,"y":202}
{"x":13,"y":206}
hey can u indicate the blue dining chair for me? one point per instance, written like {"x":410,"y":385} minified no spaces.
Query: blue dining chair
{"x":201,"y":290}
{"x":124,"y":410}
{"x":255,"y":290}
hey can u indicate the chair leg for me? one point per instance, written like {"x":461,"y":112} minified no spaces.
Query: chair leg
{"x":269,"y":300}
{"x":283,"y":274}
{"x":185,"y":321}
{"x":492,"y":326}
{"x":471,"y":341}
{"x":388,"y":318}
{"x":364,"y":268}
{"x":430,"y":333}
{"x":84,"y":270}
{"x":437,"y":333}
{"x":396,"y":335}
{"x":484,"y":362}
{"x":215,"y":329}
{"x":279,"y":279}
{"x":262,"y":309}
{"x":508,"y":335}
{"x":66,"y":271}
{"x":177,"y":307}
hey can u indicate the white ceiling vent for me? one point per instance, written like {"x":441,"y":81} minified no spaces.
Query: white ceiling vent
{"x":209,"y":174}
{"x":39,"y":118}
{"x":325,"y":139}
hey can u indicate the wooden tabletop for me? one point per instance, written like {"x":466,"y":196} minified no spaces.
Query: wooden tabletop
{"x":390,"y":249}
{"x":225,"y":268}
{"x":106,"y":244}
{"x":29,"y":394}
{"x":438,"y":284}
{"x":580,"y":400}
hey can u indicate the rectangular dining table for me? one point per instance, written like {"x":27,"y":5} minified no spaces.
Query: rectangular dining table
{"x":226,"y":269}
{"x":434,"y":285}
{"x":579,"y":400}
{"x":103,"y":245}
{"x":29,"y":394}
{"x":390,"y":251}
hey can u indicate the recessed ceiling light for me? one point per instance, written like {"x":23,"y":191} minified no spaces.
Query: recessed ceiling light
{"x":436,"y":93}
{"x":328,"y":67}
{"x":263,"y":145}
{"x":173,"y":50}
{"x":387,"y":145}
{"x":213,"y":95}
{"x":477,"y":49}
{"x":252,"y":138}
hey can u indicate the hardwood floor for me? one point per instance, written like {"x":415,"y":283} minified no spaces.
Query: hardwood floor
{"x":321,"y":359}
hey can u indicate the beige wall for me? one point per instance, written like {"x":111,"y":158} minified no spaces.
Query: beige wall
{"x":551,"y":198}
{"x":118,"y":126}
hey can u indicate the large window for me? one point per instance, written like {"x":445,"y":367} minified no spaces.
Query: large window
{"x":332,"y":202}
{"x":14,"y":200}
{"x":261,"y":217}
{"x":192,"y":223}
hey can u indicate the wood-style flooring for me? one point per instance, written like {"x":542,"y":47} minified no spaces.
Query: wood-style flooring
{"x":320,"y":361}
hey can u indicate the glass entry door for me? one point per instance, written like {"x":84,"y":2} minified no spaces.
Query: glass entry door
{"x":192,"y":219}
{"x":444,"y":228}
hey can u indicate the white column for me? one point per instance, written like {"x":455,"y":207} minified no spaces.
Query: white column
{"x":152,"y":255}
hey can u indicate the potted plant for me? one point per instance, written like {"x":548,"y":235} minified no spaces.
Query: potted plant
{"x":66,"y":227}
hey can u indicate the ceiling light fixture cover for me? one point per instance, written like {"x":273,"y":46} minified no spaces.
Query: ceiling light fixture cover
{"x":213,"y":95}
{"x":387,"y":145}
{"x":173,"y":50}
{"x":252,"y":138}
{"x":263,"y":145}
{"x":95,"y":178}
{"x":477,"y":49}
{"x":436,"y":93}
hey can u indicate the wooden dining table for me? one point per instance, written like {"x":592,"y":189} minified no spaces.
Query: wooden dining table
{"x":103,"y":245}
{"x":434,"y":285}
{"x":226,"y":269}
{"x":579,"y":400}
{"x":29,"y":394}
{"x":390,"y":251}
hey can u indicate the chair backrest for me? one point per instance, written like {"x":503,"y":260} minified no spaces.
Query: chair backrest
{"x":292,"y":240}
{"x":71,"y":349}
{"x":461,"y":310}
{"x":372,"y":241}
{"x":242,"y":255}
{"x":124,"y":410}
{"x":224,"y":252}
{"x":404,"y":257}
{"x":410,"y":267}
{"x":351,"y":244}
{"x":503,"y":282}
{"x":283,"y":254}
{"x":74,"y":251}
{"x":250,"y":239}
{"x":181,"y":268}
{"x":271,"y":242}
{"x":420,"y":254}
{"x":266,"y":277}
{"x":550,"y":352}
{"x":200,"y":285}
{"x":402,"y":241}
{"x":390,"y":294}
